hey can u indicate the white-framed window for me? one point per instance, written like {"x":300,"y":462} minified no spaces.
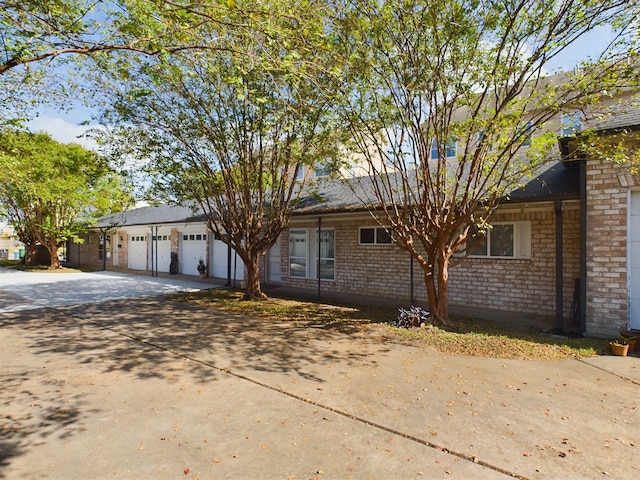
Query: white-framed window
{"x":451,"y":149}
{"x":505,"y":240}
{"x":104,"y":243}
{"x":570,"y":124}
{"x":307,"y":251}
{"x":298,"y":265}
{"x":374,"y":236}
{"x":322,"y":171}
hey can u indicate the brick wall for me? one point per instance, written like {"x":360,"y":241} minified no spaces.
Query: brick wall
{"x":607,"y":304}
{"x":524,"y":285}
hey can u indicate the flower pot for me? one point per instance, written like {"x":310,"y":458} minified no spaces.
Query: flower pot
{"x":618,"y":349}
{"x":632,"y":344}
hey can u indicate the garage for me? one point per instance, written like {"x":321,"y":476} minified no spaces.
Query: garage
{"x":193,"y":247}
{"x":137,"y":250}
{"x":634,"y":260}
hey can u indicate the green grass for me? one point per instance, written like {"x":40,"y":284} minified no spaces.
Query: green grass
{"x":18,"y":265}
{"x":467,"y":337}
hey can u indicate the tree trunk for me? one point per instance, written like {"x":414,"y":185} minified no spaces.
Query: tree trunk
{"x":53,"y":254}
{"x":436,"y":282}
{"x":253,"y":291}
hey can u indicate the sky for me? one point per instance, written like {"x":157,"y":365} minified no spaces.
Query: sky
{"x":69,"y":126}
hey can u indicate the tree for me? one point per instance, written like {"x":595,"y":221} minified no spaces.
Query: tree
{"x":232,"y":131}
{"x":43,"y":43}
{"x":51,"y":191}
{"x":450,"y":94}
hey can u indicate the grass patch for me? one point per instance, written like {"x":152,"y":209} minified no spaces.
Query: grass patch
{"x":468,"y":337}
{"x":18,"y":265}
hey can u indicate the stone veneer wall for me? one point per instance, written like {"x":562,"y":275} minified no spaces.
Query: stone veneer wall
{"x":525,"y":285}
{"x":607,"y":198}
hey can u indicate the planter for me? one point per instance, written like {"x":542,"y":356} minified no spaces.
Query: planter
{"x":632,"y":344}
{"x":619,"y":349}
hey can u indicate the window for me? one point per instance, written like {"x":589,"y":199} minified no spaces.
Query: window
{"x":327,"y":254}
{"x":451,"y":148}
{"x":298,"y":253}
{"x":306,"y":244}
{"x":375,"y":236}
{"x":506,"y":240}
{"x":322,"y":171}
{"x":104,"y":243}
{"x":571,"y":123}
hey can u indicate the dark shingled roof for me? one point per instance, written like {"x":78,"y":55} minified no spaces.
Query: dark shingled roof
{"x":560,"y":180}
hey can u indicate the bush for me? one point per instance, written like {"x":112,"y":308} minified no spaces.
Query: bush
{"x":413,"y":317}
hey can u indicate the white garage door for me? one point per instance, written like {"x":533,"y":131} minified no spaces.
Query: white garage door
{"x":634,"y":260}
{"x":161,"y":249}
{"x":137,"y":251}
{"x":193,"y":247}
{"x":220,"y":262}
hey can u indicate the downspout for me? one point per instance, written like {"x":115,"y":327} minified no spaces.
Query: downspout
{"x":228,"y":266}
{"x":319,"y":253}
{"x":582,"y":327}
{"x":557,"y":207}
{"x":411,"y":282}
{"x":156,"y":240}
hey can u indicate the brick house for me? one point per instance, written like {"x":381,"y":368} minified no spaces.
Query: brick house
{"x":573,"y":258}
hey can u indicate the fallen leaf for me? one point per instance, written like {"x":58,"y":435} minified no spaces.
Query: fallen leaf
{"x":186,"y":471}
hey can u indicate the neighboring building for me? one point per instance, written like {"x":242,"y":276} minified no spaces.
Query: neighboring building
{"x":11,"y":248}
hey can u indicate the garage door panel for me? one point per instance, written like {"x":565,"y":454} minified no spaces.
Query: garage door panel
{"x":137,"y":252}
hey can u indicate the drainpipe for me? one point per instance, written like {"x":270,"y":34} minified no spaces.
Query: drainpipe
{"x":319,"y":254}
{"x":582,"y":327}
{"x":411,"y":282}
{"x":557,"y":207}
{"x":156,"y":240}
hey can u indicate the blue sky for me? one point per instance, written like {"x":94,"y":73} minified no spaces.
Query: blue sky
{"x":68,"y":127}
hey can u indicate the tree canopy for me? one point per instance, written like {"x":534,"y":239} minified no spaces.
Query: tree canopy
{"x":456,"y":98}
{"x":50,"y":191}
{"x":236,"y":130}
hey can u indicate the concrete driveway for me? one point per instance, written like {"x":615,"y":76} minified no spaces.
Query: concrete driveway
{"x":28,"y":290}
{"x":147,"y":388}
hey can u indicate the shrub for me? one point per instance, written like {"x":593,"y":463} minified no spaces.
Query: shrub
{"x":413,"y":317}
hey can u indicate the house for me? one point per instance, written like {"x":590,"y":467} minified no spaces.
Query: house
{"x":11,"y":248}
{"x":565,"y":248}
{"x":145,"y":238}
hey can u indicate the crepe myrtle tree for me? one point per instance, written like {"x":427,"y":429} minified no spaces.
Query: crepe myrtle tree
{"x":236,"y":133}
{"x":454,"y":96}
{"x":51,"y":191}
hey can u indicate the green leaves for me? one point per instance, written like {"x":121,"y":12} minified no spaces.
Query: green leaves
{"x":53,"y":190}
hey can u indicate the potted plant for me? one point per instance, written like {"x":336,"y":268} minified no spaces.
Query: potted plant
{"x":202,"y":268}
{"x":629,"y":340}
{"x":619,"y":347}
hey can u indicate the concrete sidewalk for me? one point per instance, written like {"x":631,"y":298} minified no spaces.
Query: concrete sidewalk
{"x":154,"y":389}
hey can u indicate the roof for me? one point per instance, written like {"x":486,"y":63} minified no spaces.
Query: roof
{"x":560,"y":180}
{"x":151,"y":215}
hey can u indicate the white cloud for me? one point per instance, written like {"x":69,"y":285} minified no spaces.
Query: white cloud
{"x":63,"y":131}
